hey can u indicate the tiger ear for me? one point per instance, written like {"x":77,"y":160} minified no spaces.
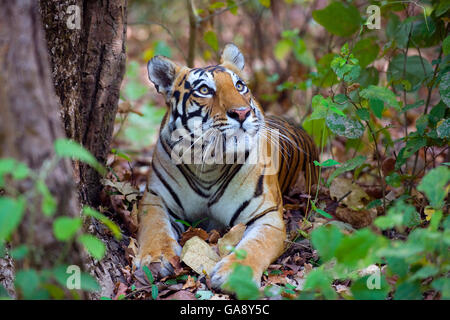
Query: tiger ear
{"x":233,"y":55}
{"x":162,"y":72}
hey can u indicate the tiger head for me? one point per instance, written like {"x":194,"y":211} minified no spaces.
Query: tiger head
{"x":211,"y":103}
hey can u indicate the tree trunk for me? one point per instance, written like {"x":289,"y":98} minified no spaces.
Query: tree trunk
{"x":88,"y":63}
{"x":29,"y":125}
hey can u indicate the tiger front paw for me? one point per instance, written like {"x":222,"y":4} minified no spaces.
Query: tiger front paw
{"x":223,"y":270}
{"x":159,"y":261}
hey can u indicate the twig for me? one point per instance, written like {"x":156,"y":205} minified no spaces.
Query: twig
{"x":193,"y":23}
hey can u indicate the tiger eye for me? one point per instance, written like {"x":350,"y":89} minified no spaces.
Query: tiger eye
{"x":204,"y":90}
{"x":239,"y":86}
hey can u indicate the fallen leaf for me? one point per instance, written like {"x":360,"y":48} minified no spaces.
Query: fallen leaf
{"x":193,"y":232}
{"x":388,"y":166}
{"x":357,"y":219}
{"x":230,"y":239}
{"x":121,"y":290}
{"x":199,"y":256}
{"x":125,"y":188}
{"x":349,"y":193}
{"x":214,"y":236}
{"x":181,"y":295}
{"x":190,"y":283}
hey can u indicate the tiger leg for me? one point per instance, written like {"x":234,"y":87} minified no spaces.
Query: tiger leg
{"x":263,"y":242}
{"x":157,"y":238}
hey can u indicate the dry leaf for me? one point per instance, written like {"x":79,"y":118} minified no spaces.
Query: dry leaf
{"x":124,"y":188}
{"x":198,"y":255}
{"x":181,"y":295}
{"x":192,"y":232}
{"x":190,"y":283}
{"x":357,"y":219}
{"x":231,"y":238}
{"x":352,"y":195}
{"x":214,"y":236}
{"x":121,"y":290}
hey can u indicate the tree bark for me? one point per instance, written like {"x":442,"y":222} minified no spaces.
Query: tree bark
{"x":29,"y":125}
{"x":88,"y":64}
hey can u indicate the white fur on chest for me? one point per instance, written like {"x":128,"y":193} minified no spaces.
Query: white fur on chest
{"x":194,"y":206}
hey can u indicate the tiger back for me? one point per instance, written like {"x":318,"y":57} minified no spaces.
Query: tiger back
{"x":221,"y":160}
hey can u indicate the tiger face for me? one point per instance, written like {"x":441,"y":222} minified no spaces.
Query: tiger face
{"x":209,"y":108}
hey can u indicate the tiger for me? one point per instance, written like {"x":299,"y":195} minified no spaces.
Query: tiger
{"x":217,"y":102}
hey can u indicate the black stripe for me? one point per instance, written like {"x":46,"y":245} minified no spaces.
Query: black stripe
{"x":164,"y":182}
{"x":259,"y":186}
{"x":238,"y":212}
{"x":251,"y":221}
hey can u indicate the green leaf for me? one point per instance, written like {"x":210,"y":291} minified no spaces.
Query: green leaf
{"x":241,"y":282}
{"x":408,"y":291}
{"x":210,"y":38}
{"x":425,"y":272}
{"x":154,"y":291}
{"x":413,"y":145}
{"x":415,"y":70}
{"x":347,"y":166}
{"x":325,"y":240}
{"x":93,"y":245}
{"x":65,"y":148}
{"x":377,"y":106}
{"x":344,"y":126}
{"x":28,"y":282}
{"x":216,"y":5}
{"x":345,"y":69}
{"x":368,"y":76}
{"x":17,"y":170}
{"x":444,"y":88}
{"x":433,"y":184}
{"x":361,"y":288}
{"x":148,"y":274}
{"x":113,"y":227}
{"x":366,"y":51}
{"x":442,"y":285}
{"x":203,"y":294}
{"x":265,"y":3}
{"x":19,"y":252}
{"x":320,"y":211}
{"x":64,"y":228}
{"x":401,"y":214}
{"x":319,"y":279}
{"x":339,"y":19}
{"x":355,"y":247}
{"x":11,"y":212}
{"x":282,"y":49}
{"x":363,"y":114}
{"x":87,"y":282}
{"x":380,"y":93}
{"x":443,"y":129}
{"x":48,"y":204}
{"x":327,"y":163}
{"x":446,"y":45}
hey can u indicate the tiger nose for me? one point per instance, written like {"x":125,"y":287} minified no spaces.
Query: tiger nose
{"x":239,"y":114}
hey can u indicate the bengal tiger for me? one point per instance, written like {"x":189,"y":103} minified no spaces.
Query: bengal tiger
{"x":216,"y":101}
